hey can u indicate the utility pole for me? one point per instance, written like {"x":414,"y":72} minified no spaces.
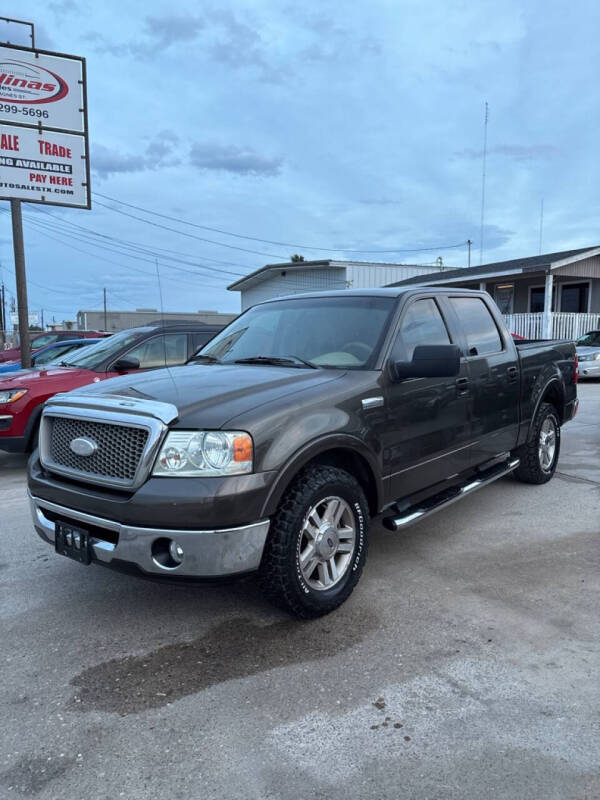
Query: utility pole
{"x":105,"y":323}
{"x":21,"y":281}
{"x":43,"y":320}
{"x":469,"y":243}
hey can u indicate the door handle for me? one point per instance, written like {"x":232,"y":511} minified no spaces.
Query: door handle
{"x":512,"y":373}
{"x":462,"y":384}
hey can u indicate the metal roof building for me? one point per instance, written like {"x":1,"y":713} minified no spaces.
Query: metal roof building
{"x":121,"y":320}
{"x":296,"y":277}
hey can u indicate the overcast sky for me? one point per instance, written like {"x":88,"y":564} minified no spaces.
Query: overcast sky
{"x":330,"y":124}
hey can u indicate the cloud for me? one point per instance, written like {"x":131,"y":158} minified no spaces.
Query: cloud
{"x":159,"y":152}
{"x":173,"y":29}
{"x":518,"y":152}
{"x":230,"y":158}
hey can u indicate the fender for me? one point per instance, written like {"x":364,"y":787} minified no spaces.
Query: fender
{"x":312,"y":449}
{"x":555,"y":379}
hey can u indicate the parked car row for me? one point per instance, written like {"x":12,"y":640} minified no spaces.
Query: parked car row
{"x":43,"y":339}
{"x":49,"y":354}
{"x":23,"y":393}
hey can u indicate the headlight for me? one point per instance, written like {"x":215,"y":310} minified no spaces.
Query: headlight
{"x":11,"y":395}
{"x":204,"y":453}
{"x":596,"y":357}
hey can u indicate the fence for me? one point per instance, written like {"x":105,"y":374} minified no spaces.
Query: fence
{"x":562,"y":325}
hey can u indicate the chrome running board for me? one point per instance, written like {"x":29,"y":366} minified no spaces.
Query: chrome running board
{"x":425,"y":508}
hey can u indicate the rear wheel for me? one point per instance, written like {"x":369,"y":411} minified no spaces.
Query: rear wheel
{"x":539,"y":456}
{"x":317,"y":544}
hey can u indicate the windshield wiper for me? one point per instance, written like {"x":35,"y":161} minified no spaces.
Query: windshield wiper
{"x":207,"y":359}
{"x":276,"y":360}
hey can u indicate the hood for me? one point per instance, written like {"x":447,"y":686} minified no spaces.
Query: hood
{"x":26,"y":378}
{"x":207,"y":396}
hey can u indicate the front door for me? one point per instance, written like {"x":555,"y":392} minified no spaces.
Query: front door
{"x":428,"y":428}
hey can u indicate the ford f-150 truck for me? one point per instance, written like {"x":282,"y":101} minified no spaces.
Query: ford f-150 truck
{"x":273,"y":447}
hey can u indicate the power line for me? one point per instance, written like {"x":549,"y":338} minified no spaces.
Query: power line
{"x":266,"y":241}
{"x":90,"y":235}
{"x":56,"y":236}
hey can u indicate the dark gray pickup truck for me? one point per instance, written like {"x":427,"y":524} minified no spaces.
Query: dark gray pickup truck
{"x":307,"y":416}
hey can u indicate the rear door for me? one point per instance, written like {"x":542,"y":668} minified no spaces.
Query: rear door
{"x":494,"y":378}
{"x":428,"y":430}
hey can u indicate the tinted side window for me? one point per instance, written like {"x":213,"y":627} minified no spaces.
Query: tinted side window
{"x":200,"y":339}
{"x":478,"y":325}
{"x":422,"y":324}
{"x":161,"y":351}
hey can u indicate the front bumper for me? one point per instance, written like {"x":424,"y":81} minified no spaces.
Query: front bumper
{"x":207,"y":553}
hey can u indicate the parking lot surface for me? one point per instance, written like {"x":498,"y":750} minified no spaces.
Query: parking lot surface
{"x":465,"y":665}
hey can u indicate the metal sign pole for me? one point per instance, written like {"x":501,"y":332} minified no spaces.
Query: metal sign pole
{"x":22,"y":307}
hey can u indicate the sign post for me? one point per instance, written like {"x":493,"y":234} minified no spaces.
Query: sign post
{"x":43,"y":144}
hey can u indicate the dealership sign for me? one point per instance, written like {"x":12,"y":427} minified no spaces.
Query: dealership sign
{"x":46,"y":167}
{"x":39,"y":87}
{"x":43,"y":128}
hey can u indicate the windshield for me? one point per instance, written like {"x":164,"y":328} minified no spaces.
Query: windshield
{"x":591,"y":339}
{"x":92,"y":357}
{"x":339,"y":332}
{"x":52,"y":354}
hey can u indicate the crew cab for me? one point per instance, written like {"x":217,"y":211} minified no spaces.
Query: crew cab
{"x":41,"y":340}
{"x":23,"y":394}
{"x":302,"y":420}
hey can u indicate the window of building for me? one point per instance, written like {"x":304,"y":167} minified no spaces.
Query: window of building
{"x":574,"y":297}
{"x":478,"y":324}
{"x":422,"y":324}
{"x":504,"y":296}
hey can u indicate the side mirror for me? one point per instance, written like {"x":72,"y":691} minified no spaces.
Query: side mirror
{"x":429,"y":361}
{"x":126,"y":364}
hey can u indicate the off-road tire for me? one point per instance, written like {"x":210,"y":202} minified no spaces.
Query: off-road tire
{"x":280,"y":576}
{"x":530,"y":469}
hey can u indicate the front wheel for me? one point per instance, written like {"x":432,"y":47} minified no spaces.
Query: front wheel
{"x":317,"y":543}
{"x":539,"y":456}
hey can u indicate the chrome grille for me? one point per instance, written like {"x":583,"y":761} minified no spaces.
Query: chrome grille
{"x":120,"y":448}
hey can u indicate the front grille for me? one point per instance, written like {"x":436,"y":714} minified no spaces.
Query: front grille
{"x":120,"y":447}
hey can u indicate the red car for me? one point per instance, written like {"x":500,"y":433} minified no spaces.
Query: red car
{"x":14,"y":353}
{"x":22,"y":397}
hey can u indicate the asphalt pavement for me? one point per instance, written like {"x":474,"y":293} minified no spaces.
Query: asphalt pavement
{"x":465,"y":665}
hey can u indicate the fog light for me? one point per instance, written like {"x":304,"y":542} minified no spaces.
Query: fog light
{"x":176,"y":552}
{"x":166,"y":553}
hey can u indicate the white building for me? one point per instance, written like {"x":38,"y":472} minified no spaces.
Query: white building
{"x":296,"y":277}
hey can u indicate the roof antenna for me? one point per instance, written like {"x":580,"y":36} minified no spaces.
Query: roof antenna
{"x":485,"y":127}
{"x":162,"y":313}
{"x":541,"y":224}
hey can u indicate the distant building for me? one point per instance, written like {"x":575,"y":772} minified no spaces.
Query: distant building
{"x":121,"y":320}
{"x":296,"y":277}
{"x":551,"y":294}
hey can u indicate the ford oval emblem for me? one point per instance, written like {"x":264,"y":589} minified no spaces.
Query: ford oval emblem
{"x":83,"y":446}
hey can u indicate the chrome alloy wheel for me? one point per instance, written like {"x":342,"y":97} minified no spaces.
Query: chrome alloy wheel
{"x":327,"y":543}
{"x":547,"y":444}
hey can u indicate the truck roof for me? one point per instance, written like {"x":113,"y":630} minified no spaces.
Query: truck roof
{"x":393,"y":291}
